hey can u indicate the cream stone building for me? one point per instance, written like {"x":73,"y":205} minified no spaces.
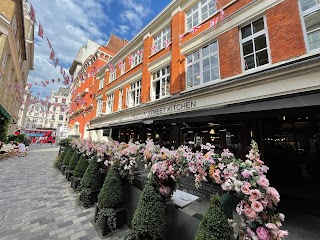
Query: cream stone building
{"x":16,"y":59}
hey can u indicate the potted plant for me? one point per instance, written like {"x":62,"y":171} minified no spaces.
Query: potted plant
{"x":59,"y":159}
{"x":109,"y":215}
{"x":72,"y":164}
{"x":91,"y":183}
{"x":149,"y":220}
{"x":66,"y":159}
{"x":79,"y":171}
{"x":214,"y":224}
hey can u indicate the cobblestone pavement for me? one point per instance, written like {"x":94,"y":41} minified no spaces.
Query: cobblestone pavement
{"x":36,"y":201}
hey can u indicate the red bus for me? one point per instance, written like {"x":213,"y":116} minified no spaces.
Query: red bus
{"x":42,"y":135}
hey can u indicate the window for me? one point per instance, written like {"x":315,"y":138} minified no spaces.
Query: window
{"x":99,"y":106}
{"x":203,"y":65}
{"x":200,"y":12}
{"x":60,"y":117}
{"x":51,"y":125}
{"x":27,"y":125}
{"x":110,"y":103}
{"x":137,"y":58}
{"x":1,"y":76}
{"x":4,"y":60}
{"x":311,"y":16}
{"x":160,"y":39}
{"x":134,"y":96}
{"x":112,"y":76}
{"x":123,"y":68}
{"x":254,"y":44}
{"x":9,"y":75}
{"x":120,"y":99}
{"x":101,"y":83}
{"x":36,"y":114}
{"x":160,"y":86}
{"x":52,"y":117}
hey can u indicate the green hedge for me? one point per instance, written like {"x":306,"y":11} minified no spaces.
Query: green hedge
{"x":81,"y":167}
{"x":149,"y":220}
{"x":92,"y":177}
{"x":112,"y":192}
{"x":74,"y":160}
{"x":68,"y":156}
{"x":214,"y":224}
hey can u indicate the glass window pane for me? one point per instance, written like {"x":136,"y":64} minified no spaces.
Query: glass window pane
{"x":196,"y":68}
{"x":206,"y":76}
{"x":262,"y":57}
{"x":312,"y":21}
{"x":247,"y":48}
{"x":205,"y":51}
{"x":246,"y":31}
{"x":189,"y":58}
{"x":196,"y":80}
{"x":214,"y":61}
{"x":306,"y":4}
{"x":314,"y":40}
{"x":189,"y":71}
{"x":189,"y":81}
{"x":260,"y":42}
{"x":215,"y":73}
{"x":249,"y":62}
{"x":213,"y":47}
{"x":196,"y":56}
{"x":258,"y":25}
{"x":206,"y":64}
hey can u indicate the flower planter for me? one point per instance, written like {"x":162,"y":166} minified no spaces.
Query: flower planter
{"x":75,"y":182}
{"x":63,"y":168}
{"x":121,"y":219}
{"x":69,"y":174}
{"x":89,"y":199}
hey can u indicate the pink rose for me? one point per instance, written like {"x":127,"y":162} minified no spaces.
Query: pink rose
{"x":281,"y":216}
{"x":246,"y":174}
{"x":273,"y":193}
{"x":263,"y":182}
{"x":255,"y":194}
{"x":282,"y":233}
{"x":165,"y":190}
{"x":257,"y":206}
{"x":272,"y":227}
{"x":250,"y":214}
{"x":263,"y":234}
{"x":245,"y":189}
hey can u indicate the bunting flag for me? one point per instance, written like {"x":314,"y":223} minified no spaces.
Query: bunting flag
{"x":140,"y":52}
{"x":44,"y":85}
{"x":222,"y":14}
{"x":181,"y":37}
{"x":36,"y":83}
{"x":167,"y":43}
{"x":130,"y":57}
{"x":47,"y":81}
{"x":111,"y":67}
{"x":56,"y":62}
{"x":214,"y":22}
{"x":40,"y":31}
{"x":120,"y":63}
{"x":64,"y":73}
{"x":61,"y":69}
{"x":32,"y":13}
{"x":52,"y":80}
{"x":52,"y":55}
{"x":153,"y":49}
{"x":195,"y":29}
{"x":49,"y":44}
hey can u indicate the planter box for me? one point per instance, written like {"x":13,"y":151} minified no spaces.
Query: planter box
{"x":69,"y":174}
{"x":63,"y":168}
{"x":75,"y":182}
{"x":90,"y":199}
{"x":121,"y":216}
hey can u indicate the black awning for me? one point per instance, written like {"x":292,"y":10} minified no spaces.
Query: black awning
{"x":117,"y":125}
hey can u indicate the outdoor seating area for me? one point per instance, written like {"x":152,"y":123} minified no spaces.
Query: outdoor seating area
{"x":11,"y":150}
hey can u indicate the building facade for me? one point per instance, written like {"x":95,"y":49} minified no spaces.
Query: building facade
{"x":36,"y":115}
{"x":16,"y":59}
{"x":223,"y":73}
{"x":85,"y":85}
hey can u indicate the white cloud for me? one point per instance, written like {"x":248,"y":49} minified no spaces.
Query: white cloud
{"x":123,"y":29}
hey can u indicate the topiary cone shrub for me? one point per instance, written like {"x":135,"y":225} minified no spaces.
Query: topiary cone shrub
{"x":59,"y":160}
{"x":73,"y":161}
{"x":68,"y":156}
{"x":112,"y":192}
{"x":92,"y":176}
{"x":149,"y":220}
{"x":81,"y":167}
{"x":214,"y":224}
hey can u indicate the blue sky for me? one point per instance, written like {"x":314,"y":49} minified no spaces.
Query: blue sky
{"x":70,"y":23}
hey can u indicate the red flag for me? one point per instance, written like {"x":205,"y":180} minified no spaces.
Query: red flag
{"x":167,"y":43}
{"x":196,"y":28}
{"x":36,"y":83}
{"x":153,"y":49}
{"x":111,"y":67}
{"x":181,"y":37}
{"x":47,"y":81}
{"x":52,"y":55}
{"x":222,"y":14}
{"x":64,"y":73}
{"x":140,"y":52}
{"x":214,"y":22}
{"x":32,"y":13}
{"x":52,"y":80}
{"x":49,"y":44}
{"x":56,"y":63}
{"x":40,"y":31}
{"x":130,"y":59}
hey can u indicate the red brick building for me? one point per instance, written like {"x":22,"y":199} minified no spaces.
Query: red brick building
{"x":222,"y":73}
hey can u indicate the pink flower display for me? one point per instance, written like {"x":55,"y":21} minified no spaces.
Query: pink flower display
{"x":262,"y":233}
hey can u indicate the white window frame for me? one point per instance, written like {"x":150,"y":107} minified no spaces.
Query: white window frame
{"x":99,"y":106}
{"x":305,"y":13}
{"x":196,"y":13}
{"x":120,"y":99}
{"x":252,"y":37}
{"x":101,"y":83}
{"x":112,"y":75}
{"x":134,"y":97}
{"x":5,"y":60}
{"x":123,"y":68}
{"x":110,"y":102}
{"x":137,"y":58}
{"x":164,"y":83}
{"x":200,"y":61}
{"x":160,"y":39}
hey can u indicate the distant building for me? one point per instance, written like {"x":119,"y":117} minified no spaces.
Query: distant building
{"x":16,"y":59}
{"x":36,"y":116}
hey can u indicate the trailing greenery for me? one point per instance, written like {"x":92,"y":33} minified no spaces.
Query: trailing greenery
{"x":73,"y":160}
{"x":65,"y":142}
{"x":68,"y":156}
{"x":4,"y":126}
{"x":92,"y":177}
{"x":149,"y":220}
{"x":81,"y":167}
{"x":214,"y":224}
{"x":112,"y":192}
{"x":110,"y":214}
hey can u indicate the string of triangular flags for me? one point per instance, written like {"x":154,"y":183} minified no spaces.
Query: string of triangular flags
{"x":154,"y":48}
{"x":53,"y":57}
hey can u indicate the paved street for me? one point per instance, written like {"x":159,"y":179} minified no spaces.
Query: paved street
{"x":36,"y":201}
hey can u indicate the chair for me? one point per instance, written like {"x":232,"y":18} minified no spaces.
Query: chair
{"x":4,"y":155}
{"x":23,"y":154}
